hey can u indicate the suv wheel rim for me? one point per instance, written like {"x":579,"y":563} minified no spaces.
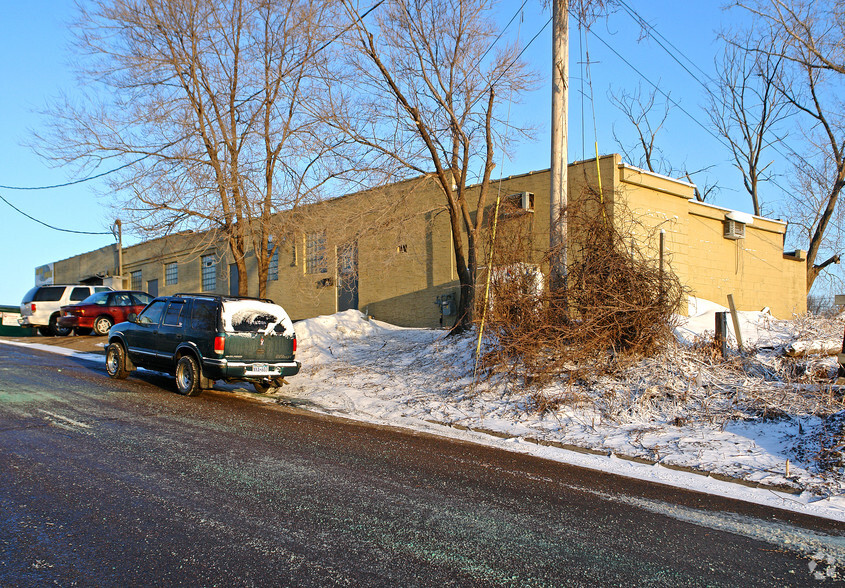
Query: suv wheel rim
{"x":111,"y":364}
{"x":183,"y":377}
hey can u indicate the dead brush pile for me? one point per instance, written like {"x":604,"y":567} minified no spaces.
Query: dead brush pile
{"x":604,"y":347}
{"x":618,"y":304}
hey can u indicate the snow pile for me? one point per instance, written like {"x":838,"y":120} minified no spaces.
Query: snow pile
{"x":675,"y":410}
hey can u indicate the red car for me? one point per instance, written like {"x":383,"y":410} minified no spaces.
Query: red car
{"x":100,"y":311}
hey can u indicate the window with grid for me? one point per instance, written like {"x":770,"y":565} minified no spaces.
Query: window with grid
{"x":135,"y":280}
{"x":315,"y":253}
{"x":171,"y":273}
{"x":209,"y":273}
{"x":273,"y":267}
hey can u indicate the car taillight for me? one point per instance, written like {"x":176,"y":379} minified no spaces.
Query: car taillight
{"x":32,"y":306}
{"x":219,"y":344}
{"x":294,"y":344}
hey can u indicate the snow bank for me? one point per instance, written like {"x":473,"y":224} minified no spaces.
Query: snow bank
{"x":757,"y":328}
{"x":420,"y":379}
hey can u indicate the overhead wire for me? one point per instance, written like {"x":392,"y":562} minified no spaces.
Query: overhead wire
{"x":662,"y":41}
{"x":49,"y":226}
{"x":654,"y":85}
{"x":131,"y":163}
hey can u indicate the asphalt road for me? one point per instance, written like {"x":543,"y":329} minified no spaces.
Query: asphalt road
{"x":106,"y":483}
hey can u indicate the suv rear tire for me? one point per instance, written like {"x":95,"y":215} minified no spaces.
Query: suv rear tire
{"x":188,"y":376}
{"x":55,"y":329}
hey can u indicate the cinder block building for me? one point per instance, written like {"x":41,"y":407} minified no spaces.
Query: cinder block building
{"x":388,"y":251}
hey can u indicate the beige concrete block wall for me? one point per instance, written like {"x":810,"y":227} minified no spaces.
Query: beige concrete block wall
{"x":100,"y":262}
{"x":186,"y":249}
{"x":650,"y":203}
{"x":753,"y":269}
{"x":406,"y":257}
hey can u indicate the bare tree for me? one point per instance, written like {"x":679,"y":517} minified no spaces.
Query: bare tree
{"x":813,"y":183}
{"x":204,"y":104}
{"x":810,"y":31}
{"x":820,"y":170}
{"x":746,"y":108}
{"x":643,"y":113}
{"x":424,"y":89}
{"x":810,"y":39}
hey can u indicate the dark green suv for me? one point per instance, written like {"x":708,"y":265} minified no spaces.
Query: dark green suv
{"x":201,"y":338}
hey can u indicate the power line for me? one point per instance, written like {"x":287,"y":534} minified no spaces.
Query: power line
{"x":511,"y":64}
{"x":80,"y":181}
{"x":657,"y":36}
{"x":499,"y":36}
{"x":655,"y":86}
{"x":49,"y":226}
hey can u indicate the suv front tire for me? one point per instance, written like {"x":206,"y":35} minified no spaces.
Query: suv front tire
{"x":116,"y":361}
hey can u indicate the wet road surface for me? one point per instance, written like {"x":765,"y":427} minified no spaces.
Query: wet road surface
{"x":115,"y":483}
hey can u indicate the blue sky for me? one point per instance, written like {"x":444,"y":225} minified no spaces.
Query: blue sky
{"x":36,"y":38}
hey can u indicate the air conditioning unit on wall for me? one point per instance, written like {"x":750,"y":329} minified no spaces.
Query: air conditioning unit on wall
{"x":735,"y":222}
{"x":734,"y":229}
{"x":522,"y":200}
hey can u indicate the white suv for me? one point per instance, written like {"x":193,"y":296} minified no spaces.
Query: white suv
{"x":40,"y":306}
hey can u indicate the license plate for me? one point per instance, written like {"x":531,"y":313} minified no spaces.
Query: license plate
{"x":260,"y":368}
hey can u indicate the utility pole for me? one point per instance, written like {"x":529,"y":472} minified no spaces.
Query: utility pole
{"x":119,"y":229}
{"x":560,"y":132}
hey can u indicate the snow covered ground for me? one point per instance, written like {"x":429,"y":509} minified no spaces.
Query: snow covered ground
{"x":680,"y":417}
{"x":683,"y":419}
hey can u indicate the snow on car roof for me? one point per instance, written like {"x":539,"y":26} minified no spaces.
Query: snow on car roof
{"x":255,"y":316}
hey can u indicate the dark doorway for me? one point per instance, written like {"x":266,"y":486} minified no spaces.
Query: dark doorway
{"x":347,"y":276}
{"x":233,"y":279}
{"x":152,"y":288}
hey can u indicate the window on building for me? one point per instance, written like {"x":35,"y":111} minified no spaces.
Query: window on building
{"x":135,"y":280}
{"x":289,"y":241}
{"x":315,"y":253}
{"x":273,"y":268}
{"x":209,"y":273}
{"x":171,"y":273}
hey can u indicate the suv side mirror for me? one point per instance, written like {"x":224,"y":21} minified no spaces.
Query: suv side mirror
{"x":132,"y":317}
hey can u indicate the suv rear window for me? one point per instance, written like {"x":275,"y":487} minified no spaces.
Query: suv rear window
{"x":255,"y":316}
{"x":27,"y":298}
{"x":204,"y":315}
{"x":51,"y":294}
{"x":78,"y":294}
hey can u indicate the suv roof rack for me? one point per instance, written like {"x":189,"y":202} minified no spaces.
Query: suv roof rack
{"x":220,"y":296}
